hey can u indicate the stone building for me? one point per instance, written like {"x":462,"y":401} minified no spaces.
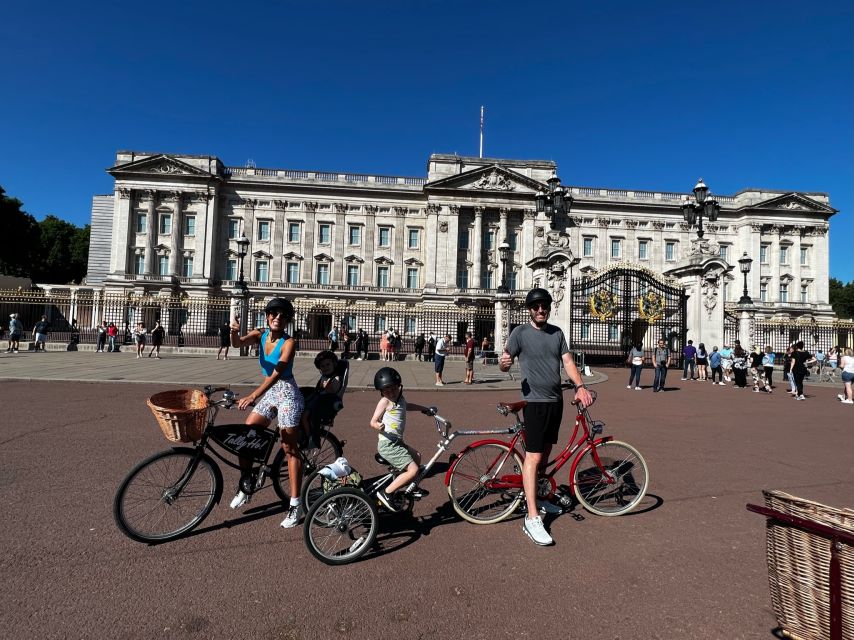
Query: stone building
{"x":359,"y":244}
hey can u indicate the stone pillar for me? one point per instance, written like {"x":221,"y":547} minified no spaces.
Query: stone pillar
{"x":307,"y":275}
{"x":775,"y":263}
{"x":151,"y":232}
{"x":502,"y":321}
{"x":210,"y":224}
{"x":431,"y":238}
{"x":448,"y":275}
{"x":337,"y":268}
{"x":398,"y":273}
{"x":175,"y":256}
{"x":502,"y":225}
{"x":702,"y":277}
{"x":369,"y":247}
{"x":745,"y":325}
{"x":124,"y":233}
{"x":525,"y":246}
{"x":477,"y":248}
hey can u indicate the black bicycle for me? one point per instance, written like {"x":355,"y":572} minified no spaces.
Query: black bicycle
{"x":172,"y":492}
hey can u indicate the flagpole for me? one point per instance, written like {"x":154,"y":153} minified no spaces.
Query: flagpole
{"x":481,"y":131}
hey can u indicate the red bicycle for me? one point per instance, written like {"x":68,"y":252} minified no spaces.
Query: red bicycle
{"x":608,"y":477}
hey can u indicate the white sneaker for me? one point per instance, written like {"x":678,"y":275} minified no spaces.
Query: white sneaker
{"x":637,"y":389}
{"x":628,"y":386}
{"x":440,"y":384}
{"x":684,"y":378}
{"x":239,"y":500}
{"x":544,"y":506}
{"x":847,"y":401}
{"x":293,"y":517}
{"x":800,"y":398}
{"x":841,"y":397}
{"x":534,"y":529}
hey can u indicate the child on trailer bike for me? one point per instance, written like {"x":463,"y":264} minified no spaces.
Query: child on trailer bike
{"x":322,"y":401}
{"x":542,"y":350}
{"x":278,"y":396}
{"x":390,"y":420}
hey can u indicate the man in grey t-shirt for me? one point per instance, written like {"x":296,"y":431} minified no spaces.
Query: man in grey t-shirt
{"x":542,"y":350}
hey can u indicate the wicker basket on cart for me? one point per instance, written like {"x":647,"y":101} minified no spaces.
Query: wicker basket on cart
{"x":181,"y":414}
{"x":798,"y":564}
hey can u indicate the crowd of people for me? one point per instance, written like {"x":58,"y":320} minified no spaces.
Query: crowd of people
{"x":732,"y":364}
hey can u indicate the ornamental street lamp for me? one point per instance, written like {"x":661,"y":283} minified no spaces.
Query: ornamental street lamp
{"x":242,"y":289}
{"x":506,"y":254}
{"x":693,"y":212}
{"x":744,"y":263}
{"x":555,"y":202}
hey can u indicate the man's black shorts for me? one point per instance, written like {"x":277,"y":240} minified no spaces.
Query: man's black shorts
{"x":542,"y":423}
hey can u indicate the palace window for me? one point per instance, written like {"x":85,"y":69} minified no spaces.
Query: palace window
{"x":490,"y":240}
{"x":804,"y":256}
{"x":139,"y":265}
{"x":324,"y":234}
{"x":412,"y":242}
{"x":486,"y":279}
{"x":723,"y":251}
{"x":385,"y":237}
{"x":585,"y":331}
{"x":511,"y":281}
{"x":763,"y":292}
{"x":382,"y":276}
{"x":587,"y":247}
{"x":355,"y":235}
{"x":293,"y":272}
{"x":349,"y":321}
{"x":784,"y":255}
{"x":233,"y":228}
{"x":231,"y":270}
{"x":613,"y":332}
{"x":465,"y":233}
{"x":141,"y":222}
{"x":512,"y":239}
{"x":163,"y":265}
{"x":322,"y":273}
{"x":165,"y":223}
{"x":352,"y":275}
{"x":187,"y":267}
{"x":190,"y":226}
{"x":379,"y":324}
{"x":643,"y":249}
{"x":670,"y":251}
{"x":805,"y":293}
{"x":463,"y":279}
{"x":763,"y":254}
{"x":616,"y":248}
{"x":262,"y":271}
{"x":412,"y":278}
{"x":293,"y":232}
{"x":409,"y":325}
{"x":784,"y":292}
{"x":264,"y":230}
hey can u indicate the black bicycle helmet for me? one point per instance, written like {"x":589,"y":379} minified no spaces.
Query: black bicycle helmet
{"x":386,"y":377}
{"x":280,"y":304}
{"x":325,"y":355}
{"x":537,"y":295}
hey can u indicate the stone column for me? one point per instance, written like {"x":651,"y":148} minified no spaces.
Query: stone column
{"x":448,"y":275}
{"x":307,"y":275}
{"x":431,"y":238}
{"x":398,"y":274}
{"x":795,"y":261}
{"x":124,"y":233}
{"x":175,"y":256}
{"x":337,"y":268}
{"x":369,"y":246}
{"x":477,"y":248}
{"x":277,"y":242}
{"x":210,"y":224}
{"x":502,"y":225}
{"x":525,"y":246}
{"x":502,"y":321}
{"x":151,"y":232}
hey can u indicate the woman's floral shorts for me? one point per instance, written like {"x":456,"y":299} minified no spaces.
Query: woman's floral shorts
{"x":283,"y":400}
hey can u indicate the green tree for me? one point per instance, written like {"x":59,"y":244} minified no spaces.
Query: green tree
{"x":20,"y":233}
{"x":55,"y":252}
{"x":842,"y":298}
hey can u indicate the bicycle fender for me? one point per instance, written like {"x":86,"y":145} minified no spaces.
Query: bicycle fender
{"x":457,"y":456}
{"x":580,"y":455}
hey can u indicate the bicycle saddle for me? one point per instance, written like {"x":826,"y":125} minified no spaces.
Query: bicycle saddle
{"x":513,"y":407}
{"x":382,"y":460}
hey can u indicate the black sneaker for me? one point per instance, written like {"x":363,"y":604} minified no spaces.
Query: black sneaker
{"x":385,"y":499}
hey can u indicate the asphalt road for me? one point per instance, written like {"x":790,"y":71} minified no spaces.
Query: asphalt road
{"x":690,"y":565}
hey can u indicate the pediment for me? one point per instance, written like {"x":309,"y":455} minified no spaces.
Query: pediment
{"x":354,"y":258}
{"x":413,"y":261}
{"x":383,"y":260}
{"x":158,"y":165}
{"x":324,"y":257}
{"x":793,"y":202}
{"x":261,"y":254}
{"x":494,"y":179}
{"x":292,"y":256}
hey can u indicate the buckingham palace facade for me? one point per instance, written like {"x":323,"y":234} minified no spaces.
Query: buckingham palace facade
{"x":361,"y":245}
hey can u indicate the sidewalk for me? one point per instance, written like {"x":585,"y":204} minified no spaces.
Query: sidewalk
{"x":197,"y":370}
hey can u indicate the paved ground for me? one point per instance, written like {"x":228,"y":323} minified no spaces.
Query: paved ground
{"x":689,"y":565}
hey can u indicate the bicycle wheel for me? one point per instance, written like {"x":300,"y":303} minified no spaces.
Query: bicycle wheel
{"x":486,"y":483}
{"x":314,"y":487}
{"x":624,"y":486}
{"x":341,"y":526}
{"x":158,"y":502}
{"x":329,"y":449}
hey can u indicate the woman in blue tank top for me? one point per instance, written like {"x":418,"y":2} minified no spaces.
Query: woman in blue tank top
{"x":278,"y":396}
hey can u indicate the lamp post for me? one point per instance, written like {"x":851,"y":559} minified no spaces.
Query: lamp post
{"x":744,"y":263}
{"x":242,"y":289}
{"x":554,"y":202}
{"x":506,"y":255}
{"x":693,"y":212}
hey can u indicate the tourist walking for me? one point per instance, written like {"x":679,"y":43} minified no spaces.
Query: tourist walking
{"x":702,"y":362}
{"x":469,"y":357}
{"x":635,"y":360}
{"x":689,"y":355}
{"x":431,"y":347}
{"x":384,"y":346}
{"x":40,"y":333}
{"x":333,"y":339}
{"x":224,"y":339}
{"x":787,"y":369}
{"x":112,"y":332}
{"x":139,"y":339}
{"x":846,"y":363}
{"x":739,"y":365}
{"x":442,"y":347}
{"x":366,"y":342}
{"x":542,"y":352}
{"x":801,"y":360}
{"x":156,"y":340}
{"x":768,"y":367}
{"x":715,"y":363}
{"x":726,"y":362}
{"x":102,"y":337}
{"x":16,"y":330}
{"x":661,"y":361}
{"x":347,"y":341}
{"x":420,"y":343}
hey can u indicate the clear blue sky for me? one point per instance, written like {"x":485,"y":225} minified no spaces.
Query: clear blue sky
{"x":643,"y":95}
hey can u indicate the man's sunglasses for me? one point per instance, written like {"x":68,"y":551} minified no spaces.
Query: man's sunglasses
{"x":538,"y":305}
{"x":280,"y":314}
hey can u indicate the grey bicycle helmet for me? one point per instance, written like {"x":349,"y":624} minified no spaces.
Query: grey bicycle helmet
{"x":386,"y":377}
{"x":280,"y":304}
{"x":537,"y":295}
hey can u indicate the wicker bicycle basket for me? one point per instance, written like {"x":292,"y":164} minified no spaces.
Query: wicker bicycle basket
{"x":798,"y":568}
{"x":181,"y":414}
